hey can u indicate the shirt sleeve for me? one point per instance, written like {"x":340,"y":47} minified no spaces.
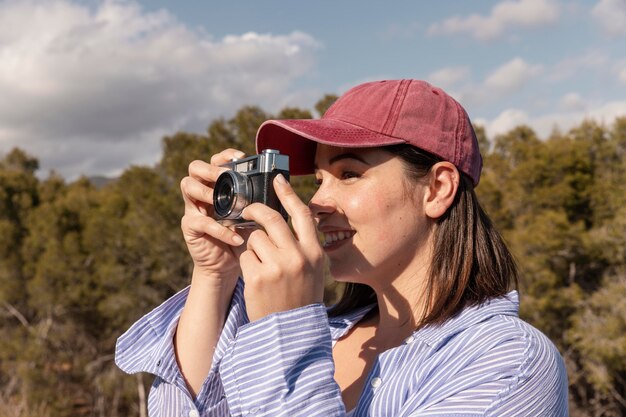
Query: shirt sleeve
{"x":517,"y":377}
{"x":282,"y":365}
{"x":148,"y":347}
{"x":540,"y":388}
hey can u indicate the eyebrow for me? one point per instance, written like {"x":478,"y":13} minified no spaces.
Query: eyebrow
{"x":342,"y":156}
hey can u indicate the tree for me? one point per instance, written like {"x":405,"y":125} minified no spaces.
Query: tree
{"x":324,"y":103}
{"x":560,"y":205}
{"x":79,"y":264}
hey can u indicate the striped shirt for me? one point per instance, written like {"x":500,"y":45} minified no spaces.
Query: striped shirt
{"x":483,"y":362}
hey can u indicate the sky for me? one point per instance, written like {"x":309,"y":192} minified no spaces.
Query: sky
{"x":90,"y":87}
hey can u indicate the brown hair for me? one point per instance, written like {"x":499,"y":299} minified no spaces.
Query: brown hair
{"x":471,"y":262}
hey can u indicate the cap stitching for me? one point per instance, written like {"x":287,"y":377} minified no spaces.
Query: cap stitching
{"x":392,"y":116}
{"x":457,"y":135}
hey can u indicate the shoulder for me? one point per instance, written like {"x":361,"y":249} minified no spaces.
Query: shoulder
{"x":529,"y":368}
{"x":539,"y":359}
{"x":536,"y":381}
{"x":527,"y":348}
{"x":493,"y":326}
{"x":492,"y":365}
{"x":496,"y":327}
{"x":490,"y":351}
{"x":509,"y":340}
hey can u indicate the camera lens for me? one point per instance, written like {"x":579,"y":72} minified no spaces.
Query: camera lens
{"x":230,"y":195}
{"x":225,"y":197}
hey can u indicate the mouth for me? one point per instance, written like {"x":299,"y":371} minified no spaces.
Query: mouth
{"x":336,"y":238}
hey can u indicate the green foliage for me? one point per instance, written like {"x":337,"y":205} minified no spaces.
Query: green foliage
{"x":560,"y":204}
{"x":293,"y":113}
{"x":18,"y":197}
{"x":599,"y":333}
{"x":79,"y":263}
{"x":324,"y":103}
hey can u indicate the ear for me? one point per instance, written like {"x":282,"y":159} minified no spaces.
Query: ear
{"x":442,"y":186}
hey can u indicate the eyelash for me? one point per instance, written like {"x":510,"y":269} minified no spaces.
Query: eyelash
{"x":345,"y":175}
{"x":349,"y":174}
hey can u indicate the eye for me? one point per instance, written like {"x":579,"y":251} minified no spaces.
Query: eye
{"x":346,"y":175}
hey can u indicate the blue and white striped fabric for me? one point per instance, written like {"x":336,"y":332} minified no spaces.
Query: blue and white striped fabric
{"x":484,"y":362}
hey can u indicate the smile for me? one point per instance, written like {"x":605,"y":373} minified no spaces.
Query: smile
{"x":332,"y":237}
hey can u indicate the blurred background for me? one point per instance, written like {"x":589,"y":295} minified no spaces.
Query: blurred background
{"x":104,"y":103}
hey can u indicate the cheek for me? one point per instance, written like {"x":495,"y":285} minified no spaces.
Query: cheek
{"x":367,"y":208}
{"x":382,"y":217}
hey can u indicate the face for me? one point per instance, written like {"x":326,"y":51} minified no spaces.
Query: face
{"x":372,"y":218}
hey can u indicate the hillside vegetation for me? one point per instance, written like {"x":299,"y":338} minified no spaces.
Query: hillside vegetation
{"x":79,"y":263}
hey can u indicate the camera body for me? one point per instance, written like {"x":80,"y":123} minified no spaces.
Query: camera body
{"x":249,"y":180}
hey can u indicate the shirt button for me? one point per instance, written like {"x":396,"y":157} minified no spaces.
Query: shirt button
{"x":375,"y":382}
{"x":254,"y":410}
{"x":409,"y":340}
{"x":194,"y":413}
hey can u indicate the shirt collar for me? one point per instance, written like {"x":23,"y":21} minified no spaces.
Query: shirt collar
{"x":436,"y":335}
{"x":340,"y":325}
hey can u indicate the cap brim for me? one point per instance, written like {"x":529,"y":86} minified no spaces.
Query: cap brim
{"x":298,"y":139}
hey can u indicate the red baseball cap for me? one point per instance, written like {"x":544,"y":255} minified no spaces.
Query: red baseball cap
{"x":377,"y":114}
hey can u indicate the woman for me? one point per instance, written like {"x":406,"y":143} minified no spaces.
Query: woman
{"x":427,"y":326}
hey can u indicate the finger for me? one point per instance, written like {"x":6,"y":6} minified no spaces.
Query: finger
{"x":244,"y":232}
{"x":227,"y":155}
{"x":260,"y":243}
{"x":272,"y":221}
{"x":249,"y":264}
{"x":196,"y":195}
{"x":199,"y":225}
{"x":205,"y":172}
{"x":208,"y":172}
{"x":301,"y":217}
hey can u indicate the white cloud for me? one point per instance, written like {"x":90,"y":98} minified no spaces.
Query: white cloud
{"x":504,"y":81}
{"x":106,"y":83}
{"x":586,"y":62}
{"x":449,"y":76}
{"x":622,"y":75}
{"x":504,"y":16}
{"x":611,"y":16}
{"x":604,"y":113}
{"x":607,"y":112}
{"x":506,"y":121}
{"x":572,"y":102}
{"x":511,"y":76}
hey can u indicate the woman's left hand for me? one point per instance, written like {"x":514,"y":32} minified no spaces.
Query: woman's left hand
{"x":282,"y":269}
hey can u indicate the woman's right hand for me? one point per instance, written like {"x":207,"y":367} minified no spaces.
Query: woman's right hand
{"x":212,"y":246}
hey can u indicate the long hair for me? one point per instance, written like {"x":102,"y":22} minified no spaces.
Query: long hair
{"x":471,"y":262}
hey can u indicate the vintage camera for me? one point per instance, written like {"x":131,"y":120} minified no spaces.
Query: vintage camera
{"x":248,"y":181}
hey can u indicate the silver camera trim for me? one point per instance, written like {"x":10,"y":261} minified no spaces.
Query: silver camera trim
{"x":267,"y":161}
{"x":241,"y":190}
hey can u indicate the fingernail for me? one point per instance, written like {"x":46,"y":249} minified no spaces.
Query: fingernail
{"x":239,"y":155}
{"x":280,"y":179}
{"x":238,"y":240}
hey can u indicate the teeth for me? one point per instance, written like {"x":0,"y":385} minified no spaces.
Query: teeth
{"x":332,"y":237}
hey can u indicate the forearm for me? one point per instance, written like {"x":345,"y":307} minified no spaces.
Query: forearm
{"x":200,"y":325}
{"x":282,"y":365}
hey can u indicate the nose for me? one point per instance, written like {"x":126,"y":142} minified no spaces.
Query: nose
{"x":322,"y":203}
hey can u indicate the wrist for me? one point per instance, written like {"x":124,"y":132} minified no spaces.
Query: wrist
{"x":214,"y":281}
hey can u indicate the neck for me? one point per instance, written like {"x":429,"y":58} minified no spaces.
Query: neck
{"x":401,"y":306}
